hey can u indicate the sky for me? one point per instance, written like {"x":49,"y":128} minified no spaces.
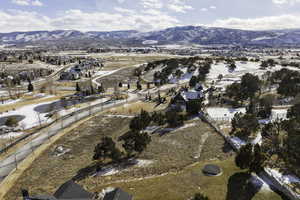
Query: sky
{"x":146,"y":15}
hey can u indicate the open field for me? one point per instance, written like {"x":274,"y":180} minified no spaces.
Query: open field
{"x":81,"y":142}
{"x":170,"y":167}
{"x":135,"y":108}
{"x":123,"y":60}
{"x":195,"y":145}
{"x":123,"y":75}
{"x":26,"y":66}
{"x":184,"y":184}
{"x":27,"y":101}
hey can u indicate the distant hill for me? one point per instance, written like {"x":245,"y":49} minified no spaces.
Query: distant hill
{"x":176,"y":35}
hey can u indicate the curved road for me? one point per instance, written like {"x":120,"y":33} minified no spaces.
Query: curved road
{"x":9,"y":164}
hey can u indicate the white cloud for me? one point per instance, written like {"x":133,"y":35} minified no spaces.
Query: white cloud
{"x":179,"y":6}
{"x":14,"y":21}
{"x":36,"y":3}
{"x":152,"y":4}
{"x":152,"y":12}
{"x":78,"y":20}
{"x":124,"y":10}
{"x":262,"y":23}
{"x":204,"y":9}
{"x":281,"y":2}
{"x":27,"y":2}
{"x":213,"y":7}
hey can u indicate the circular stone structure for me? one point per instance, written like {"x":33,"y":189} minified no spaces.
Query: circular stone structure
{"x":212,"y":170}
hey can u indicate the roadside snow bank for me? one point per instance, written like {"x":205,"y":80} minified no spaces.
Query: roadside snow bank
{"x":286,"y":179}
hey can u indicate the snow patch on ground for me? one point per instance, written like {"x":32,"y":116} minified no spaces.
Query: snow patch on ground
{"x":237,"y":142}
{"x":224,"y":114}
{"x":104,"y":73}
{"x":257,"y":140}
{"x":150,"y":42}
{"x":144,"y":163}
{"x":187,"y":126}
{"x":121,"y":116}
{"x":230,"y":77}
{"x":111,"y":170}
{"x":184,"y":78}
{"x":32,"y":118}
{"x":10,"y":101}
{"x":11,"y":135}
{"x":260,"y":183}
{"x":278,"y":114}
{"x":179,"y":128}
{"x":286,"y":179}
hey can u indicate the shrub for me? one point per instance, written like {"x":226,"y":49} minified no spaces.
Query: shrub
{"x":11,"y":121}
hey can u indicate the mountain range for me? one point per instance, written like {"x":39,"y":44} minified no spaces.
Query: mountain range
{"x":177,"y":35}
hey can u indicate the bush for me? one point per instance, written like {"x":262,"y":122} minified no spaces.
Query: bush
{"x":174,"y":119}
{"x":199,"y":196}
{"x":11,"y":121}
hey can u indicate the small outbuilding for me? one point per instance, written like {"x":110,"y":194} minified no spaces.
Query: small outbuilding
{"x":117,"y":194}
{"x":71,"y":190}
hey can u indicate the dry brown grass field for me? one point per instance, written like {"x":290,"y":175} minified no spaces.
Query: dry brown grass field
{"x":174,"y":172}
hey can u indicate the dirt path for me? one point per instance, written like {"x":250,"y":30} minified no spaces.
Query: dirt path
{"x":202,"y":142}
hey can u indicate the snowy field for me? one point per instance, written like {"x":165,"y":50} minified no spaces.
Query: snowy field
{"x":10,"y":101}
{"x":279,"y":114}
{"x":11,"y":135}
{"x":242,"y":68}
{"x":32,"y":118}
{"x":185,"y":78}
{"x":224,"y":114}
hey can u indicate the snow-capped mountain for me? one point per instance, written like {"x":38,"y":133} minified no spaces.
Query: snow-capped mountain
{"x":176,"y":35}
{"x":204,"y":35}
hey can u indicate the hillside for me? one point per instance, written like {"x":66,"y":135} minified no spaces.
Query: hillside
{"x":176,"y":35}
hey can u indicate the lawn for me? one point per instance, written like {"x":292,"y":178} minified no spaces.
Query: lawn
{"x":117,"y":61}
{"x":184,"y":184}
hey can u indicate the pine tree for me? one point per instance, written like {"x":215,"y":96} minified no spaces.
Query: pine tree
{"x":199,"y":196}
{"x":244,"y":157}
{"x":77,"y":87}
{"x":107,"y":149}
{"x":30,"y":86}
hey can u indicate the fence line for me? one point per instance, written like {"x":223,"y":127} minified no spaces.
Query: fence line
{"x":279,"y":184}
{"x":12,"y":161}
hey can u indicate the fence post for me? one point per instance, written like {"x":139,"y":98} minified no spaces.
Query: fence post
{"x":48,"y":132}
{"x":16,"y":162}
{"x":62,"y":123}
{"x":31,"y":147}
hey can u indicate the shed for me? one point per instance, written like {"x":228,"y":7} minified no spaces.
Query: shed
{"x":71,"y":190}
{"x":117,"y":194}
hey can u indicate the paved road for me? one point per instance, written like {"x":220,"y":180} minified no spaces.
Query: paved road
{"x":38,"y":83}
{"x":8,"y":164}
